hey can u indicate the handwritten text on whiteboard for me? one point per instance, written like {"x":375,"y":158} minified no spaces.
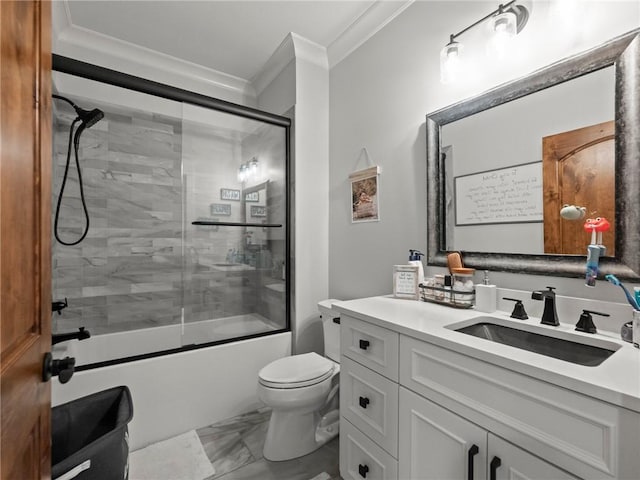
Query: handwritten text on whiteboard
{"x":507,"y":195}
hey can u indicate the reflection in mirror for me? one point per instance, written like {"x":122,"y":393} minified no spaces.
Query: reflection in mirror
{"x":505,"y":193}
{"x":502,"y":166}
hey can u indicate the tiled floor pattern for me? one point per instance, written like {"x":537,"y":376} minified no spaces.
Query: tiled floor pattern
{"x":234,"y":447}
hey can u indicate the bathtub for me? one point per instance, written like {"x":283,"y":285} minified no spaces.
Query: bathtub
{"x":175,"y":393}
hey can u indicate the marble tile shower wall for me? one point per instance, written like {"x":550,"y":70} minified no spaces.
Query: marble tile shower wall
{"x":127,"y":273}
{"x":133,"y":271}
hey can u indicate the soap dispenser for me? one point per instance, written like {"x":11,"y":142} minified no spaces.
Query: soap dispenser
{"x":414,"y":259}
{"x":486,"y":295}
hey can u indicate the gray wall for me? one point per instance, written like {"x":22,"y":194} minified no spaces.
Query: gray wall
{"x":380,"y":95}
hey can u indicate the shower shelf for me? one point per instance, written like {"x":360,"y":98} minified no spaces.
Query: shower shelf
{"x":237,"y":224}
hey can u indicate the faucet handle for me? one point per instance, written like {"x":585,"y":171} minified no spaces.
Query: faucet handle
{"x":518,"y":309}
{"x":585,"y":323}
{"x":59,"y":306}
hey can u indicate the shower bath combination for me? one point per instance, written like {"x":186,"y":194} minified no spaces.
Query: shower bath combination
{"x":87,"y":119}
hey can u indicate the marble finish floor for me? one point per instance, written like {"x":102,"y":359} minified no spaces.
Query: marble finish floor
{"x":234,"y":447}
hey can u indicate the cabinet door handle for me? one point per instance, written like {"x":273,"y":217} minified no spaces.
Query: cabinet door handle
{"x":364,"y":344}
{"x":364,"y":401}
{"x":473,"y":451}
{"x":362,"y":470}
{"x":493,"y":467}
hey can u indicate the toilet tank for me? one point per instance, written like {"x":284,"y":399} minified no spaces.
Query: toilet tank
{"x":331,"y":329}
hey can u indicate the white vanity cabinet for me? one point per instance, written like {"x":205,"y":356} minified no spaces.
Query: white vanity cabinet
{"x":437,"y":444}
{"x":577,"y":433}
{"x":412,"y":409}
{"x":368,"y":401}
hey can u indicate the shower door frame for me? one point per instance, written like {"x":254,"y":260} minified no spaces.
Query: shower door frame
{"x":97,"y":73}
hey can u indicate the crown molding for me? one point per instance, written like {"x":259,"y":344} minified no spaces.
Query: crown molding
{"x":279,"y":59}
{"x":93,"y":47}
{"x":372,"y":20}
{"x":293,"y":47}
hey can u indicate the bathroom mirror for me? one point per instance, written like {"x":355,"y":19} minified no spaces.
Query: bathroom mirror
{"x":617,"y":58}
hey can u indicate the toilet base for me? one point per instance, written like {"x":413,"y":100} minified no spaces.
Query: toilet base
{"x":293,"y":434}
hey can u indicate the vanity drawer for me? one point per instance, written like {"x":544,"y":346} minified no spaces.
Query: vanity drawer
{"x":361,"y":458}
{"x":370,"y":402}
{"x":372,"y":346}
{"x":576,"y":432}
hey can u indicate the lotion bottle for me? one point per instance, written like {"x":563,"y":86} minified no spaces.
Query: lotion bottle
{"x":414,"y":259}
{"x":486,"y":295}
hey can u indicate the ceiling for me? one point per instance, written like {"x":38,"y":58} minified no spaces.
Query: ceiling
{"x":233,"y":37}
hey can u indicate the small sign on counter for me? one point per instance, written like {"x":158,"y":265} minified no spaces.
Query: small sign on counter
{"x":405,"y":282}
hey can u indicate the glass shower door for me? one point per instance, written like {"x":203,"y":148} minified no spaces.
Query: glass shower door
{"x":234,"y":172}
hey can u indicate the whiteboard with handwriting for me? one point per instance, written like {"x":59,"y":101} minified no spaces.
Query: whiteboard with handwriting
{"x":507,"y":195}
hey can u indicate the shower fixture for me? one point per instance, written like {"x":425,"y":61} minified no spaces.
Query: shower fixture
{"x":87,"y":119}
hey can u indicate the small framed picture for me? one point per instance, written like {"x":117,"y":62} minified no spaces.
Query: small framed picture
{"x":364,"y":195}
{"x":405,"y":282}
{"x":230,"y":194}
{"x":252,"y":197}
{"x":220,"y":209}
{"x":258,"y":211}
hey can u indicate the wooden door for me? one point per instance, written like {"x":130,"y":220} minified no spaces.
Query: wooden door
{"x":578,"y":169}
{"x":25,"y":217}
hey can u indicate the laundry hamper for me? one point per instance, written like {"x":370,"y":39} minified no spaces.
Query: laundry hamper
{"x":90,"y":437}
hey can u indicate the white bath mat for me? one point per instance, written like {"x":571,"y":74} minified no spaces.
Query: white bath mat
{"x":322,"y":476}
{"x":178,"y":458}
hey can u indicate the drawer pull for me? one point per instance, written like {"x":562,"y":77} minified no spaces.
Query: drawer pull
{"x":473,"y":451}
{"x":363,"y":401}
{"x":362,"y":470}
{"x":336,"y":320}
{"x":493,"y":467}
{"x":364,"y":344}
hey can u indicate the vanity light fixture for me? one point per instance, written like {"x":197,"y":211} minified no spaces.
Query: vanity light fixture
{"x":248,"y":171}
{"x":507,"y":21}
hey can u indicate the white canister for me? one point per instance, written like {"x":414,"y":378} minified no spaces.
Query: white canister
{"x":635,"y":324}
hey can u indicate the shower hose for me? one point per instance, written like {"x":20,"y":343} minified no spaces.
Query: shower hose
{"x":75,"y":139}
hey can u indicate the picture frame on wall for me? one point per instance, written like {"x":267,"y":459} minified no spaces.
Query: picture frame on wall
{"x":258,"y":211}
{"x":252,"y":197}
{"x":220,"y":209}
{"x":364,"y":195}
{"x":230,"y":194}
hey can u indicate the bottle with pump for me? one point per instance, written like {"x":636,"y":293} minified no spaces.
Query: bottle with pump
{"x":486,"y":295}
{"x":414,"y":259}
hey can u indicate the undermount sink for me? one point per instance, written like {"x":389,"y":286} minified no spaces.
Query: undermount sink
{"x":562,"y":349}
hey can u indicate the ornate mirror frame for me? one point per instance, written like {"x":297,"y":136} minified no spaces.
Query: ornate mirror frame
{"x":623,"y":53}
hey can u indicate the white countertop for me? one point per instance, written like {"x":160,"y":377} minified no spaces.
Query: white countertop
{"x":616,"y":380}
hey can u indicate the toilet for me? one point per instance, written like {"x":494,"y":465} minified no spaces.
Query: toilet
{"x":302,"y":392}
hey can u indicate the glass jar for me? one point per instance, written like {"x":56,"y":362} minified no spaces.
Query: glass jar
{"x":463,"y":287}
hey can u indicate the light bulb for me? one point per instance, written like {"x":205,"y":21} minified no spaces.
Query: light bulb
{"x":253,"y":167}
{"x":504,"y":29}
{"x":242,"y":173}
{"x":450,"y":62}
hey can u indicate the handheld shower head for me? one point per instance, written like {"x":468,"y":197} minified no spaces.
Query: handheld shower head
{"x":89,"y":117}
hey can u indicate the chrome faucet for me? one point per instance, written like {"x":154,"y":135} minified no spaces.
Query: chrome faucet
{"x":549,"y":315}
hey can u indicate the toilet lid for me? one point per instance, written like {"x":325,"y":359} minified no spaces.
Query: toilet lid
{"x":296,"y":371}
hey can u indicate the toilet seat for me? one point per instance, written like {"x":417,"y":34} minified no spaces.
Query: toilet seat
{"x":296,"y":371}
